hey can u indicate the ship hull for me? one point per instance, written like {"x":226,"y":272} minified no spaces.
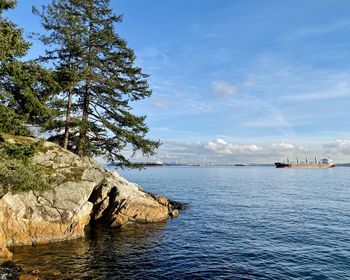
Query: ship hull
{"x":285,"y":165}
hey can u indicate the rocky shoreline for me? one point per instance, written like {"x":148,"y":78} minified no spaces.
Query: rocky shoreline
{"x":86,"y":194}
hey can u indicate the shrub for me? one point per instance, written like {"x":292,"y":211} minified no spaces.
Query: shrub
{"x":18,"y":151}
{"x":17,"y":173}
{"x":19,"y":176}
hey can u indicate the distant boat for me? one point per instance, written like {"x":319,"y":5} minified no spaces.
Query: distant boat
{"x":239,"y":164}
{"x":324,"y":163}
{"x":156,"y":163}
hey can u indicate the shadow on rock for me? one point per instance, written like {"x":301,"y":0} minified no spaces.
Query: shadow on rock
{"x":9,"y":271}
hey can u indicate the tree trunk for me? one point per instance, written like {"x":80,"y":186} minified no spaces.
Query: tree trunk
{"x":67,"y":126}
{"x":84,"y":120}
{"x":86,"y":103}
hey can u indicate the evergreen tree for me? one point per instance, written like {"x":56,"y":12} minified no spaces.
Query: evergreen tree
{"x":107,"y":80}
{"x":65,"y":34}
{"x":24,"y":86}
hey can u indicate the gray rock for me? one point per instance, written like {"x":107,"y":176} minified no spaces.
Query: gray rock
{"x":85,"y":192}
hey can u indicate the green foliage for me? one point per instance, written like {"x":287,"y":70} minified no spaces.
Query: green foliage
{"x":96,"y":66}
{"x":19,"y":176}
{"x":17,"y":173}
{"x":11,"y":123}
{"x":25,"y":87}
{"x":19,"y":151}
{"x":7,"y":4}
{"x":12,"y":44}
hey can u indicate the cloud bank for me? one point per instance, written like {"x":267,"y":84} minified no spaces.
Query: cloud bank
{"x":220,"y":151}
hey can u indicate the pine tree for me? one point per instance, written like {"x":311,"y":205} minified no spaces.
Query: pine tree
{"x":107,"y":80}
{"x":65,"y":34}
{"x":24,"y":86}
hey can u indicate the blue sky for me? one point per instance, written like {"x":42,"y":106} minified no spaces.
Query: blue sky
{"x":238,"y":80}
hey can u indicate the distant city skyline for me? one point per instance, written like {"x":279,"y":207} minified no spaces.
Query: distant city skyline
{"x":237,"y":81}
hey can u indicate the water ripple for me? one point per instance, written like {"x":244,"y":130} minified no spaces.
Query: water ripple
{"x":244,"y":223}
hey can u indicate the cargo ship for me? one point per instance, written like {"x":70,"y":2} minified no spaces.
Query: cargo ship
{"x":323,"y":163}
{"x":152,"y":164}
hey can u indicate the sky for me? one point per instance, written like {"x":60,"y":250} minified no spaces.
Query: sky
{"x":237,"y":81}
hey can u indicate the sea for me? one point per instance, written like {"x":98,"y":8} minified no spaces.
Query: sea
{"x":243,"y":223}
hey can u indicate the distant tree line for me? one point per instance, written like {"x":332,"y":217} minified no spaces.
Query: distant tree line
{"x":81,"y":88}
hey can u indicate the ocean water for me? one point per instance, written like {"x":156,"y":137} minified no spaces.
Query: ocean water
{"x":244,"y":223}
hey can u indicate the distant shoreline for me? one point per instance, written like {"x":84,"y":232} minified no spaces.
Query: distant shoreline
{"x":217,"y":165}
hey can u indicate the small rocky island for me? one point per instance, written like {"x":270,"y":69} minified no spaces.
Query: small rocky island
{"x":79,"y":93}
{"x":85,"y":193}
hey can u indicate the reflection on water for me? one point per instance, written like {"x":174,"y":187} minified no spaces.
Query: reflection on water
{"x":102,"y":254}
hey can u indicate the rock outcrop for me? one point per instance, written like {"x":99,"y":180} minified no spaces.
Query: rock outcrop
{"x":118,"y":202}
{"x":85,"y":192}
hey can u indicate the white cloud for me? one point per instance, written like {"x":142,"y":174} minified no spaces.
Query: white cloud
{"x":287,"y":96}
{"x":284,"y":146}
{"x":338,"y":147}
{"x":220,"y":151}
{"x":278,"y":79}
{"x":220,"y":146}
{"x":223,"y":88}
